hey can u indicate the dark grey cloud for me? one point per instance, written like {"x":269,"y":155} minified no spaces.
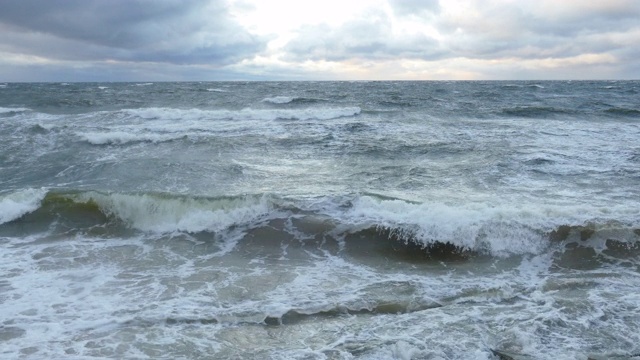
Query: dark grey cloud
{"x":513,"y":29}
{"x":172,"y":31}
{"x":200,"y":39}
{"x":369,"y":38}
{"x":101,"y":71}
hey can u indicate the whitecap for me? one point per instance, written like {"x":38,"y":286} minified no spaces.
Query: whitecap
{"x":16,"y":204}
{"x":167,"y":214}
{"x":244,"y":114}
{"x":4,"y":110}
{"x":279,"y":99}
{"x":499,"y":229}
{"x":122,"y":137}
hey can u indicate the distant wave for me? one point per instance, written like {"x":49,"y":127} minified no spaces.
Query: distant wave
{"x":121,"y":137}
{"x":625,"y":112}
{"x":244,"y":114}
{"x":279,"y":100}
{"x":522,"y":85}
{"x":4,"y":110}
{"x":535,"y":111}
{"x":390,"y":103}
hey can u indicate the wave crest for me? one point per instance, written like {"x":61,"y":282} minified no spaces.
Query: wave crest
{"x":16,"y":204}
{"x":408,"y":229}
{"x":320,"y":113}
{"x":10,"y":111}
{"x":161,"y":213}
{"x":279,"y":99}
{"x":498,"y":230}
{"x":121,"y":137}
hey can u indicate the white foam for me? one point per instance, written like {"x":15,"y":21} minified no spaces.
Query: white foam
{"x":16,"y":204}
{"x":279,"y":99}
{"x":244,"y":114}
{"x":122,"y":137}
{"x":217,"y":90}
{"x":501,"y":229}
{"x":165,"y":214}
{"x":4,"y":110}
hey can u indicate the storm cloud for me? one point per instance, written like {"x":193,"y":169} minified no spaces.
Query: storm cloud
{"x":332,"y":39}
{"x":371,"y":38}
{"x":171,"y":31}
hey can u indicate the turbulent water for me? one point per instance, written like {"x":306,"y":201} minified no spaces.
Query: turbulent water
{"x":320,"y":220}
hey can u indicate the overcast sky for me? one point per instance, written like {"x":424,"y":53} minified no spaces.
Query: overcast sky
{"x":158,"y":40}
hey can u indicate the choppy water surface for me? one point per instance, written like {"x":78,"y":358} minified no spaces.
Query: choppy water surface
{"x":320,"y":220}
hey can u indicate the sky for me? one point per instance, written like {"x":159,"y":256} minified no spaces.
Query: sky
{"x":209,"y":40}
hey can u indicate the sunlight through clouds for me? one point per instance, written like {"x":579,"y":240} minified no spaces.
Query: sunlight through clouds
{"x":285,"y":39}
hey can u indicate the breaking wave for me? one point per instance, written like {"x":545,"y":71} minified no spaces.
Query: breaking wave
{"x":122,"y":137}
{"x":475,"y":228}
{"x":12,"y":111}
{"x":244,"y":114}
{"x":279,"y":99}
{"x":16,"y":204}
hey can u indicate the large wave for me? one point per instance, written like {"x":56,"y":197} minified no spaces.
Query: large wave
{"x":473,"y":227}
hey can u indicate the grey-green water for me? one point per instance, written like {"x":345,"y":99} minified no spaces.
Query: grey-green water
{"x":320,"y":220}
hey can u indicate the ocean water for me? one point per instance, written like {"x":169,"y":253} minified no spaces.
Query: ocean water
{"x":320,"y":220}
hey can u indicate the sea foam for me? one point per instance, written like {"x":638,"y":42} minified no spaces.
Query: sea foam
{"x":4,"y":110}
{"x":158,"y":213}
{"x":121,"y":137}
{"x":16,"y":204}
{"x":279,"y":99}
{"x":244,"y":114}
{"x":499,"y":229}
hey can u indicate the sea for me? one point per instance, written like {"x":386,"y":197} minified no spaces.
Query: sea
{"x":320,"y":220}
